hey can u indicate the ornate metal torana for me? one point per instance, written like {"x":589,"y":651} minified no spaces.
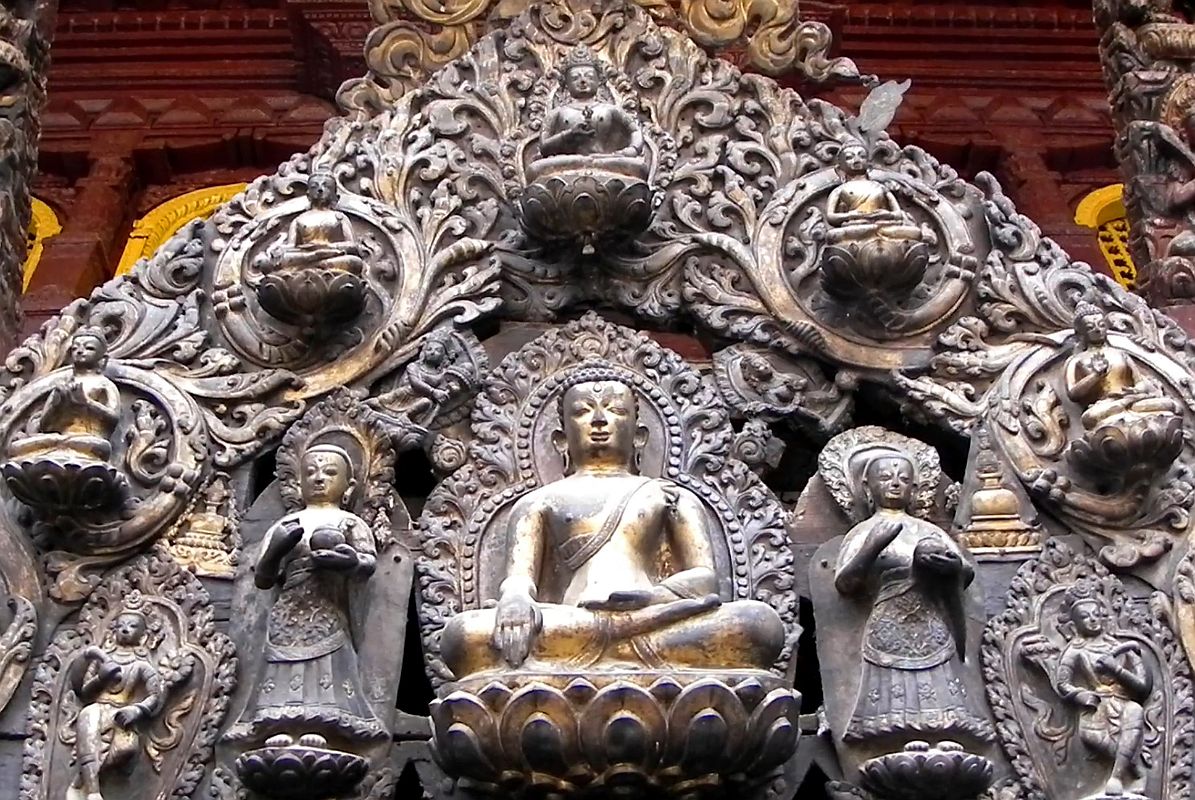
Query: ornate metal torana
{"x":703,"y":434}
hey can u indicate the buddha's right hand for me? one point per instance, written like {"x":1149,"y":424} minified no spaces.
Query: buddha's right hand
{"x":517,"y":622}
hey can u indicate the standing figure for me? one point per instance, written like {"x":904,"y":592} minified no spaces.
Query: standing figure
{"x":120,"y":690}
{"x":310,"y":687}
{"x":914,"y":640}
{"x":1107,"y":682}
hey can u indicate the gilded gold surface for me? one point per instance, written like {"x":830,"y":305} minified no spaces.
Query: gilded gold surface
{"x":637,"y":581}
{"x":996,"y":523}
{"x":156,"y":227}
{"x":43,"y":225}
{"x":207,"y":540}
{"x":414,"y":39}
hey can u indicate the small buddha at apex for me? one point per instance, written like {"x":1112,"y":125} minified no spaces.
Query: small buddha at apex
{"x":585,"y":584}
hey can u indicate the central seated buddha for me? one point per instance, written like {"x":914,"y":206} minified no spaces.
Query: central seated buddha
{"x":608,"y":568}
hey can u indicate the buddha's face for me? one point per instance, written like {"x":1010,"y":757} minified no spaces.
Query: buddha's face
{"x":582,"y":81}
{"x":1087,"y":618}
{"x":87,"y":351}
{"x":600,"y":420}
{"x":853,"y":159}
{"x":890,"y":482}
{"x":1093,"y":328}
{"x":321,"y":190}
{"x":129,"y":629}
{"x":326,"y":477}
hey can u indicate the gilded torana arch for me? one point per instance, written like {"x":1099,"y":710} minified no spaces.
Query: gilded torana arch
{"x":713,"y":444}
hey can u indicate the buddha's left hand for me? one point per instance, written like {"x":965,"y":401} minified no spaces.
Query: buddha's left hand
{"x":622,"y":600}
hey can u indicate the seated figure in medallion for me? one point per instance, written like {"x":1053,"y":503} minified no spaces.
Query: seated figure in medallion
{"x":860,"y":208}
{"x":80,"y":414}
{"x":586,"y":583}
{"x":310,"y":686}
{"x":915,"y":577}
{"x":588,"y":123}
{"x":63,"y":464}
{"x":1103,"y":379}
{"x":320,"y":237}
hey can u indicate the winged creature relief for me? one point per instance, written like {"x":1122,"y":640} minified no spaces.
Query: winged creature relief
{"x":1089,"y":684}
{"x":127,"y":700}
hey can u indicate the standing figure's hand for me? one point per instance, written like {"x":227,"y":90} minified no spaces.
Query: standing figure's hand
{"x":128,"y":716}
{"x":517,"y":622}
{"x":109,"y":672}
{"x":339,"y":557}
{"x":292,"y":532}
{"x":935,"y":556}
{"x":887,"y":530}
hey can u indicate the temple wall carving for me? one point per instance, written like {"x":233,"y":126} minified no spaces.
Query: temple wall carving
{"x":24,"y":50}
{"x":595,"y":419}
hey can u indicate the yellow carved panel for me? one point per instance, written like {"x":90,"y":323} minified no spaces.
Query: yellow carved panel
{"x":151,"y":231}
{"x":1103,"y":211}
{"x":43,"y":224}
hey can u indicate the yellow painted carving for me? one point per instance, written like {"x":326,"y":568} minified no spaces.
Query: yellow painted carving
{"x":1103,"y":212}
{"x":151,"y":231}
{"x":43,"y":224}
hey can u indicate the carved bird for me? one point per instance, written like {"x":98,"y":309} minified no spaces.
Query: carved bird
{"x":879,"y":107}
